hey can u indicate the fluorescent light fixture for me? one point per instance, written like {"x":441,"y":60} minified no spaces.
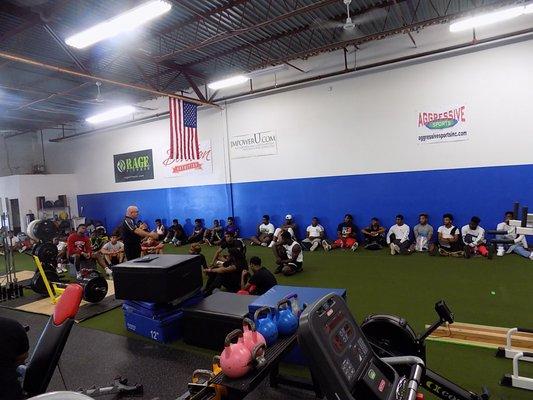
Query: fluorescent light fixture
{"x":224,"y":83}
{"x":111,"y":114}
{"x":126,"y":21}
{"x":487,"y":19}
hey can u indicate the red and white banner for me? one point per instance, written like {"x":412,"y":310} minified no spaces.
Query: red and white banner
{"x":203,"y":165}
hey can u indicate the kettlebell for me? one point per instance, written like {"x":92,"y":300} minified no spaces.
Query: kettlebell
{"x":235,"y":359}
{"x":266,"y":325}
{"x":287,"y":322}
{"x":250,"y":335}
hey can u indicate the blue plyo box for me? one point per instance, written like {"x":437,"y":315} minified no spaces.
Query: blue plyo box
{"x":306,"y":295}
{"x":164,"y":330}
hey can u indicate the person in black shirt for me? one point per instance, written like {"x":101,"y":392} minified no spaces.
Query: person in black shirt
{"x":198,"y":232}
{"x":196,"y":250}
{"x":132,"y":235}
{"x":175,"y":234}
{"x":229,"y":241}
{"x":228,"y":275}
{"x":14,"y":348}
{"x":260,"y":282}
{"x":346,"y":235}
{"x":374,"y":235}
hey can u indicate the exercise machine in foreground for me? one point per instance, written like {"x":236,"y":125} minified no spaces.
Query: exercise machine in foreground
{"x":516,"y":354}
{"x":390,"y":335}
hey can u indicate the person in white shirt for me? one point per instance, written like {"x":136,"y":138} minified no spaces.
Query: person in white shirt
{"x":315,"y":236}
{"x":113,"y":252}
{"x":13,"y":242}
{"x":474,"y":239}
{"x":449,"y":238}
{"x":289,"y":255}
{"x":265,"y":232}
{"x":519,"y":246}
{"x":288,"y":226}
{"x":62,"y":259}
{"x":398,"y":237}
{"x":160,"y":229}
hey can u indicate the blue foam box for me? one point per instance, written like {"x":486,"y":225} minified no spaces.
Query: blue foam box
{"x":306,"y":295}
{"x":164,"y":330}
{"x":160,"y":310}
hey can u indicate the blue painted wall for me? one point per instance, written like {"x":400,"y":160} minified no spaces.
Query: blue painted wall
{"x":486,"y":192}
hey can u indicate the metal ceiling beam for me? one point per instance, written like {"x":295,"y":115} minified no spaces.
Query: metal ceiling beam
{"x":231,"y":34}
{"x":65,"y":48}
{"x":379,"y":35}
{"x":67,"y":71}
{"x":194,"y":87}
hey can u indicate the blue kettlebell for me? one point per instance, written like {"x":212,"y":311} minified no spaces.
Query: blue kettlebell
{"x":265,"y":325}
{"x":287,"y":321}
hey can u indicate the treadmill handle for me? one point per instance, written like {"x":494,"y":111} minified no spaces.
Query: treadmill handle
{"x":417,"y":369}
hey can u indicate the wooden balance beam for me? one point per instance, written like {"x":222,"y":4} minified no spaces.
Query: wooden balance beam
{"x":481,"y":336}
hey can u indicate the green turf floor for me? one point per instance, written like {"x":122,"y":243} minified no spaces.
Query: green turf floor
{"x":490,"y":292}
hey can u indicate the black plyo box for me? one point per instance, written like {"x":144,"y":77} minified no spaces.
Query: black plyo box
{"x":160,"y":278}
{"x":207,"y":323}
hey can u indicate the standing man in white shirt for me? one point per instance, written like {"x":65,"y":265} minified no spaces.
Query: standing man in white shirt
{"x":449,"y":238}
{"x":265,"y":232}
{"x":519,"y":246}
{"x":398,"y":237}
{"x":474,"y":239}
{"x":315,"y":236}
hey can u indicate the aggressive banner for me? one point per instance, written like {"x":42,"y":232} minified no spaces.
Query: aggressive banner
{"x":443,"y":125}
{"x":177,"y":168}
{"x":135,"y":166}
{"x":253,"y":145}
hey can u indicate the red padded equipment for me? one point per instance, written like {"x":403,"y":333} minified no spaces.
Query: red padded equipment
{"x":68,"y":304}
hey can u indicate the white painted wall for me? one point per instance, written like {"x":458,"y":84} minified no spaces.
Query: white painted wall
{"x":26,"y":188}
{"x":361,"y":124}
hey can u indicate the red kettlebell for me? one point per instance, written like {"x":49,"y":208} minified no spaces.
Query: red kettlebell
{"x":236,"y":359}
{"x":250,"y":335}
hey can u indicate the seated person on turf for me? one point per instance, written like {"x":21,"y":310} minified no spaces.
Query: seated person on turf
{"x":265,"y":232}
{"x":13,"y":241}
{"x":113,"y":251}
{"x":176,"y":234}
{"x":98,"y":239}
{"x":315,"y":237}
{"x":79,"y":249}
{"x":519,"y":245}
{"x":260,"y":281}
{"x":197,"y":235}
{"x":196,"y":250}
{"x":228,"y":242}
{"x":228,"y":275}
{"x":374,"y":235}
{"x":160,"y":229}
{"x":14,"y":348}
{"x":346,"y":235}
{"x":213,"y":235}
{"x":288,"y":226}
{"x":151,"y":246}
{"x":231,"y":227}
{"x":423,"y":232}
{"x":473,"y":237}
{"x":289,"y":255}
{"x":62,"y":259}
{"x":449,"y":238}
{"x":398,"y":237}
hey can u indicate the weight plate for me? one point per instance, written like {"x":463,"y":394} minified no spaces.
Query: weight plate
{"x":37,"y":282}
{"x":48,"y":204}
{"x":64,"y":225}
{"x":95,"y":289}
{"x":58,"y":203}
{"x":35,"y":249}
{"x":31,"y":227}
{"x":47,"y":253}
{"x":45,"y":230}
{"x":63,"y":216}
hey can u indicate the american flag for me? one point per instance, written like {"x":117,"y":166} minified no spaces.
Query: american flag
{"x":183,"y":133}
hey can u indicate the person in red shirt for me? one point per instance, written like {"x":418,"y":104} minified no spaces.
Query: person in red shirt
{"x":79,"y":247}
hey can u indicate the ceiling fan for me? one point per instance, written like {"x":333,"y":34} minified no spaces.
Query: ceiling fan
{"x":350,"y":26}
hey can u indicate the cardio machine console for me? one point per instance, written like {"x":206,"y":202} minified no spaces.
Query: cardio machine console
{"x":341,"y":358}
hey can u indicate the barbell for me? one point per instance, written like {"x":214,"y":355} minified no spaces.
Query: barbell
{"x":94,"y":285}
{"x":46,"y":252}
{"x":42,"y":230}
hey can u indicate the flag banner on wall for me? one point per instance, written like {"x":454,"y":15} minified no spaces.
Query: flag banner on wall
{"x":135,"y":166}
{"x":443,"y":124}
{"x":253,"y":145}
{"x":184,"y":144}
{"x":203,"y":165}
